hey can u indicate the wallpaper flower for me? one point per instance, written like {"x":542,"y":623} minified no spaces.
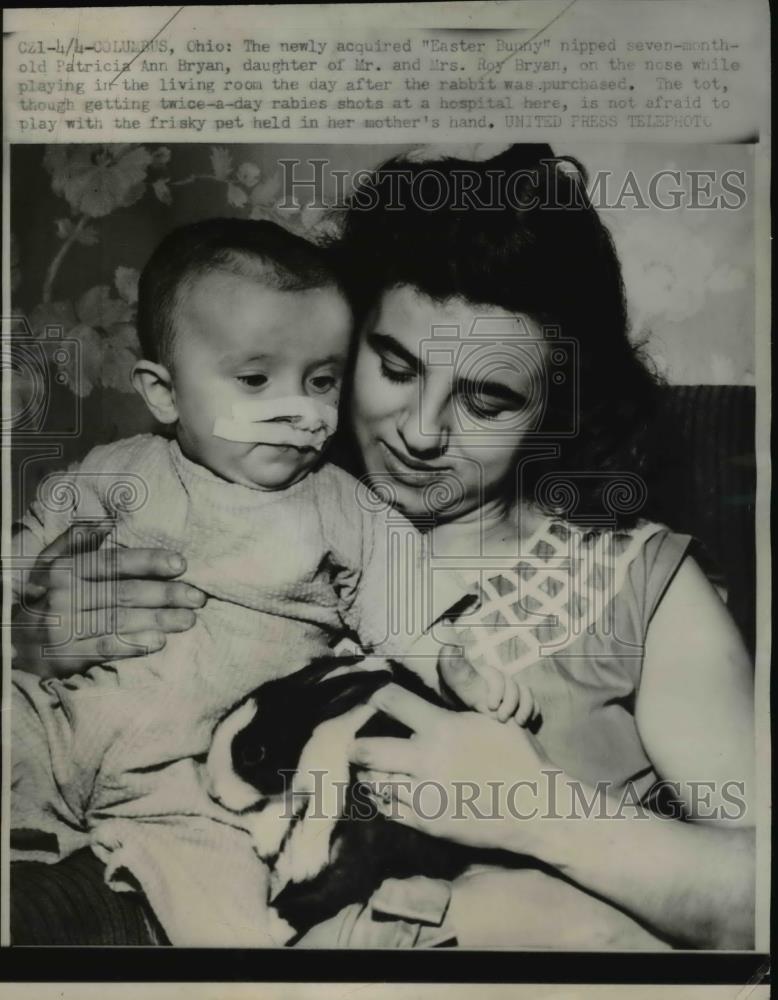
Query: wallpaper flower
{"x":97,"y":181}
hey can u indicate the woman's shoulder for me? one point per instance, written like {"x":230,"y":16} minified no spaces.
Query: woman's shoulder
{"x":602,"y":551}
{"x":630,"y":568}
{"x":648,"y":547}
{"x":654,"y":554}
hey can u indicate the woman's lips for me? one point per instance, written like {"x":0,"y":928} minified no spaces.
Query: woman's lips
{"x":406,"y":469}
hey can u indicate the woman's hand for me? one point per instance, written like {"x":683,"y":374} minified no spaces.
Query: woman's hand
{"x":462,"y":776}
{"x":84,"y":604}
{"x":483,"y":783}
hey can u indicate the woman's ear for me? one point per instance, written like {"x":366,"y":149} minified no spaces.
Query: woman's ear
{"x":154,"y":384}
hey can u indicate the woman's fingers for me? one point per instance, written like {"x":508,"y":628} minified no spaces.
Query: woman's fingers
{"x":140,"y":564}
{"x":372,"y":776}
{"x":84,"y":653}
{"x":94,"y":596}
{"x":162,"y":619}
{"x":384,"y":786}
{"x":156,"y":594}
{"x":75,"y":542}
{"x":86,"y":603}
{"x":384,"y":753}
{"x":77,"y":553}
{"x":413,"y":711}
{"x":75,"y":539}
{"x":399,"y":812}
{"x":118,"y":645}
{"x":47,"y":644}
{"x":81,"y":556}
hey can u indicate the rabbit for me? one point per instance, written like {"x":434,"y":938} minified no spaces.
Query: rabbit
{"x":260,"y":745}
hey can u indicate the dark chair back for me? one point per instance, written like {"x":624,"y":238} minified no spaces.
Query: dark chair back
{"x":704,"y":484}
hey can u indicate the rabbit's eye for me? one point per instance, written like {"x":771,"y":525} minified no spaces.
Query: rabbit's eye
{"x":251,"y":756}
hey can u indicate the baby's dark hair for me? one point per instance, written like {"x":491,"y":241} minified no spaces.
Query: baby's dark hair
{"x":517,"y":231}
{"x":261,"y":251}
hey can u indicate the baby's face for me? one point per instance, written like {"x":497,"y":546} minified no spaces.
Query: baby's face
{"x":238,"y":340}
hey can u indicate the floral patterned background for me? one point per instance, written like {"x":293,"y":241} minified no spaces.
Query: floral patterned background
{"x":85,"y":218}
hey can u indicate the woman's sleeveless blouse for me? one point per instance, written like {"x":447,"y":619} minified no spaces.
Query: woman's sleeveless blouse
{"x":569,"y":618}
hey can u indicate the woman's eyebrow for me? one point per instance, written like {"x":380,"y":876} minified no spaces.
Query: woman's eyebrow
{"x":384,"y":343}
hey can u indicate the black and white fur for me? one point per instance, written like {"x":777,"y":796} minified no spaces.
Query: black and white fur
{"x":261,"y":764}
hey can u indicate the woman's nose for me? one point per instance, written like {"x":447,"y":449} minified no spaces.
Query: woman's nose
{"x":425,"y":431}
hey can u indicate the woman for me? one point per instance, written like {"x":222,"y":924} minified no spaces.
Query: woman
{"x":497,"y":402}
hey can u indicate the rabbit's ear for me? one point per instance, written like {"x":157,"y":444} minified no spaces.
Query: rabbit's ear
{"x":301,"y":687}
{"x":410,"y":680}
{"x":341,"y":693}
{"x":318,"y":669}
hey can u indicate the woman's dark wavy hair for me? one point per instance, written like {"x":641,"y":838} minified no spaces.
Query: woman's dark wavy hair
{"x":518,"y":231}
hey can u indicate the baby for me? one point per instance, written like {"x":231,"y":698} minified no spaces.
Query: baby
{"x":245,"y":335}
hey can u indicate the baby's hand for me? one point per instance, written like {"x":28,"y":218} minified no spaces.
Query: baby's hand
{"x":486,"y":690}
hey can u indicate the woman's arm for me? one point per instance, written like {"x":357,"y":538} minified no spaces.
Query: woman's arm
{"x":693,"y":883}
{"x":695,"y":706}
{"x":85,"y":605}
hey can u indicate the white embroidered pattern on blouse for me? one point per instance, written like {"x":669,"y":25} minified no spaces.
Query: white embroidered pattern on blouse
{"x":561,"y":586}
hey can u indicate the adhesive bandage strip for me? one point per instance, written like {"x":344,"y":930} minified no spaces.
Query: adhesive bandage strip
{"x":298,"y":421}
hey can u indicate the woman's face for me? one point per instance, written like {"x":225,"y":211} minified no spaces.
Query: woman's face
{"x":443,"y":395}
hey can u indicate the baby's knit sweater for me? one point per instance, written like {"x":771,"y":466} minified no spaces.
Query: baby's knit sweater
{"x":286,"y":574}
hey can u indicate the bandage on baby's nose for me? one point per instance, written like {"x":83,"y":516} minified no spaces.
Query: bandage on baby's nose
{"x":298,"y":421}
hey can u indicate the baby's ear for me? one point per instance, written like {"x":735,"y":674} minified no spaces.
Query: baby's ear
{"x":154,"y":384}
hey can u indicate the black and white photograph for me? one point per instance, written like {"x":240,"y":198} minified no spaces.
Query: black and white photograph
{"x":384,"y":526}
